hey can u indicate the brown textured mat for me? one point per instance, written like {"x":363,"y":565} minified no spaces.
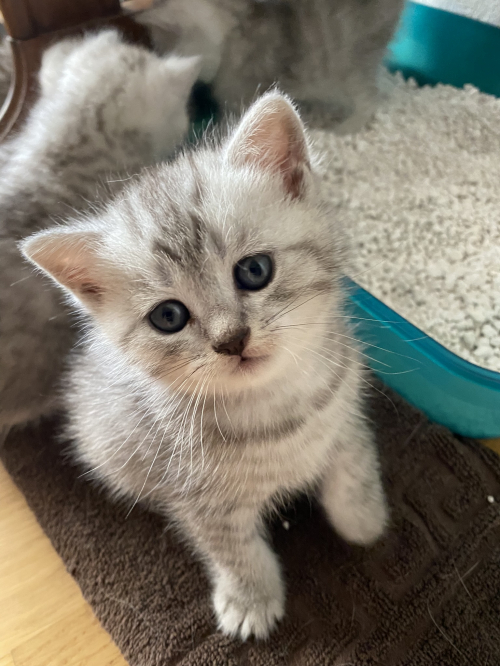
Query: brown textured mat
{"x":428,"y":595}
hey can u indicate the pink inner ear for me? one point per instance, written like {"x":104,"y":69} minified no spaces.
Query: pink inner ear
{"x":70,"y":258}
{"x":271,"y":136}
{"x":81,"y":284}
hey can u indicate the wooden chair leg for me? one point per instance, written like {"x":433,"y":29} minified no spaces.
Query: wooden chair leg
{"x":32,"y":25}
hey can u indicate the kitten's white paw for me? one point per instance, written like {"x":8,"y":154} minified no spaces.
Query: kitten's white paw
{"x":362,"y":524}
{"x":246,"y":617}
{"x":249,"y":610}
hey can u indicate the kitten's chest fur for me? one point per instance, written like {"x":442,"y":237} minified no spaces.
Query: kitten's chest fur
{"x":245,"y":449}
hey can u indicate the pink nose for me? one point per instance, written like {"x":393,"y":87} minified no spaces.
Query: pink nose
{"x":235,"y":345}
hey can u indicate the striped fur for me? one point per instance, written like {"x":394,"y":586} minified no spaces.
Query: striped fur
{"x":163,"y":419}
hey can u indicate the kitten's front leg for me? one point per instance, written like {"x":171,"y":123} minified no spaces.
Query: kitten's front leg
{"x":248,"y":591}
{"x":351,"y":490}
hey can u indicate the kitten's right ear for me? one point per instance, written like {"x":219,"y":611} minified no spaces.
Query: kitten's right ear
{"x":271,"y":137}
{"x":72,"y":259}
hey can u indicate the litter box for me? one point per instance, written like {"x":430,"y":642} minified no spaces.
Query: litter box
{"x":434,"y":46}
{"x":450,"y":390}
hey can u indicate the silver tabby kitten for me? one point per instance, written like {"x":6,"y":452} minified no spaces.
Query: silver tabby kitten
{"x":219,"y":376}
{"x":324,"y":53}
{"x":104,"y":107}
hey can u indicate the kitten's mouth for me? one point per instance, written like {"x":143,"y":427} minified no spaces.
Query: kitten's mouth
{"x":250,"y":363}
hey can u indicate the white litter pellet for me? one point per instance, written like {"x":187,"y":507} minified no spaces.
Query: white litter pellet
{"x":469,"y":340}
{"x":419,"y":192}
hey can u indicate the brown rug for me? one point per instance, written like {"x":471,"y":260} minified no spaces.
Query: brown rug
{"x":428,"y":595}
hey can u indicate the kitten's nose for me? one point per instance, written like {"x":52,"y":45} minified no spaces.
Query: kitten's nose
{"x":234,"y":345}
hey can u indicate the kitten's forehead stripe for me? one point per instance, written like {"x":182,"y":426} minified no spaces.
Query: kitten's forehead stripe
{"x":217,"y":242}
{"x":167,"y":251}
{"x":177,"y":216}
{"x":199,"y":231}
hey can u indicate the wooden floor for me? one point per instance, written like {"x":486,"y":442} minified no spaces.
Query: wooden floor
{"x":44,"y":620}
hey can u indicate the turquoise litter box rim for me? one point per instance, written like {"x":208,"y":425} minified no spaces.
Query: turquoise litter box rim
{"x":434,"y":46}
{"x":452,"y":391}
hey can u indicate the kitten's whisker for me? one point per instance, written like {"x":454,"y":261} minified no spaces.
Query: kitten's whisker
{"x":301,"y":359}
{"x":161,"y":416}
{"x":329,"y":361}
{"x":180,"y":436}
{"x":217,"y":420}
{"x":339,"y":365}
{"x":287,"y":309}
{"x":377,"y":370}
{"x":282,"y":314}
{"x":93,"y":469}
{"x":292,"y":355}
{"x":357,"y":351}
{"x":363,"y":379}
{"x":329,"y":318}
{"x":172,"y":454}
{"x":227,"y":415}
{"x":22,"y":279}
{"x":369,"y":344}
{"x":122,"y":180}
{"x":168,"y":401}
{"x":179,"y":366}
{"x":195,"y":370}
{"x":277,"y":314}
{"x":148,"y":472}
{"x":201,"y":423}
{"x":363,"y":343}
{"x":157,"y":451}
{"x":147,"y":413}
{"x":191,"y":432}
{"x":139,"y":445}
{"x":367,"y":270}
{"x":393,"y":374}
{"x":348,"y":358}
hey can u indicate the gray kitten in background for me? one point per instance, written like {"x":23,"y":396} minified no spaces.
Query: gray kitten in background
{"x":326,"y":54}
{"x":104,"y":106}
{"x":220,"y":375}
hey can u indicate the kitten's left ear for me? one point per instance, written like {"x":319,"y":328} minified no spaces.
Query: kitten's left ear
{"x":182,"y":72}
{"x":271,"y":136}
{"x":71,"y":257}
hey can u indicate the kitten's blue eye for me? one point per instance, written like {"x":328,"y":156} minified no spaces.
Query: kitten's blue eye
{"x":169,"y":316}
{"x":253,"y":273}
